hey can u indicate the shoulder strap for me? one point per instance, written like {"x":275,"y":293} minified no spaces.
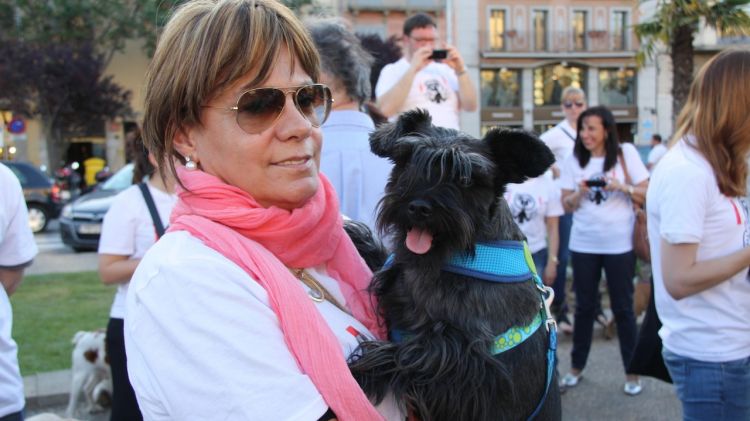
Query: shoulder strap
{"x":152,"y":209}
{"x":573,"y":138}
{"x":621,"y":156}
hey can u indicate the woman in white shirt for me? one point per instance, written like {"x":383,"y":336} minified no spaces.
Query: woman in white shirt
{"x":699,"y":234}
{"x":248,"y":307}
{"x":128,"y":231}
{"x":594,"y":187}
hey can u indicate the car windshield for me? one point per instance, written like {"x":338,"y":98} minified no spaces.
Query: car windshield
{"x":120,"y":180}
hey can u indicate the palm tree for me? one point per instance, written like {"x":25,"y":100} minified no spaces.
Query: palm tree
{"x":675,"y":23}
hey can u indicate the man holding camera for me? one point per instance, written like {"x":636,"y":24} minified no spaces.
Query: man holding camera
{"x":426,"y":77}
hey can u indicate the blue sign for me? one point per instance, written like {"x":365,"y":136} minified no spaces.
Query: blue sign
{"x":17,"y":126}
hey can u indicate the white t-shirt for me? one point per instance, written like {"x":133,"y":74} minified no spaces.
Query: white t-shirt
{"x":686,"y":206}
{"x":358,"y":175}
{"x":435,"y":88}
{"x":128,"y":230}
{"x":203,"y":342}
{"x":531,"y":202}
{"x":17,"y":246}
{"x":560,"y":139}
{"x":603,"y":224}
{"x":656,"y":153}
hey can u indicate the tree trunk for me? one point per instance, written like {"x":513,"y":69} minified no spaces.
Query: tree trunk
{"x":53,"y":140}
{"x":682,"y":67}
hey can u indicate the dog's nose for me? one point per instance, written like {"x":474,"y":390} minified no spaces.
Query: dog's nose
{"x":419,"y":208}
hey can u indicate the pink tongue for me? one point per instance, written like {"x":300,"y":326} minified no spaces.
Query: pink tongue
{"x":418,"y":241}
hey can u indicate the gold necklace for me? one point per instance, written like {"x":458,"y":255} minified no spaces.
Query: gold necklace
{"x":318,"y":292}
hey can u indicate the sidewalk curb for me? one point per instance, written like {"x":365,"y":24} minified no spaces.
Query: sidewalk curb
{"x":47,"y":389}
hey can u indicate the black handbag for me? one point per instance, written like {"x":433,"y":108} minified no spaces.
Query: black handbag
{"x":647,"y":359}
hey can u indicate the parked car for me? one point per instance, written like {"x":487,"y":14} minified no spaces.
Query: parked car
{"x":41,"y":194}
{"x":81,"y":220}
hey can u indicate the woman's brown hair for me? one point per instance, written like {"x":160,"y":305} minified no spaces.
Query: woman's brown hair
{"x":207,"y":46}
{"x":715,"y":113}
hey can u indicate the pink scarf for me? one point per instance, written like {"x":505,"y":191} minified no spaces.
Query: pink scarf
{"x":265,"y":242}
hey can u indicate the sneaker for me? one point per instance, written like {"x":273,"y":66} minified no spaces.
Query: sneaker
{"x":570,"y":380}
{"x":603,"y":320}
{"x":563,"y":324}
{"x":633,"y":388}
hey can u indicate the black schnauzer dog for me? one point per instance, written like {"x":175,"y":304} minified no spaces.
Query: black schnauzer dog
{"x":444,"y":203}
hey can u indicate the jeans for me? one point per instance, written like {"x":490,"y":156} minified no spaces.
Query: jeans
{"x":540,"y":261}
{"x":559,"y":305}
{"x":587,"y":271}
{"x":711,"y":391}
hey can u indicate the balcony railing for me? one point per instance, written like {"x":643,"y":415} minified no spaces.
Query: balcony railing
{"x":411,"y":5}
{"x":594,"y":41}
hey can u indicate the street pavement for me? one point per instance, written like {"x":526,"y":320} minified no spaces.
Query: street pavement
{"x":598,"y":397}
{"x":54,"y":256}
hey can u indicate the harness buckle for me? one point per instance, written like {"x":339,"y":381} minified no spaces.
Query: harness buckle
{"x":548,"y":295}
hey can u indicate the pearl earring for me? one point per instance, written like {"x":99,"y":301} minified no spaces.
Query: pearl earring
{"x":190,"y":165}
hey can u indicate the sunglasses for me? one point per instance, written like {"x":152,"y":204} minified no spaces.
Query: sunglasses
{"x":258,"y":109}
{"x":569,"y":104}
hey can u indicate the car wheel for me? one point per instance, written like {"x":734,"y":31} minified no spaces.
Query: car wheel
{"x":37,"y":218}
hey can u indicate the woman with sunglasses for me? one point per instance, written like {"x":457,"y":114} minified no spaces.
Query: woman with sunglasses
{"x":560,"y":139}
{"x":249,"y":305}
{"x":600,"y":182}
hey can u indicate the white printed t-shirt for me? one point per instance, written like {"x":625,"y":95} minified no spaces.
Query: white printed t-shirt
{"x":128,"y":230}
{"x":17,"y":246}
{"x":686,"y":206}
{"x":203,"y":342}
{"x":531,"y":202}
{"x":603,"y":224}
{"x":435,"y":88}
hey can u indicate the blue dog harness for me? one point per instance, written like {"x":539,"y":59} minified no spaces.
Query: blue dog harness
{"x":506,"y":261}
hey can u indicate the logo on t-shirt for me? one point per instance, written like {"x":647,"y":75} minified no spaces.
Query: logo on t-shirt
{"x":746,"y":233}
{"x":596,"y":184}
{"x":523,"y":207}
{"x":436,"y":92}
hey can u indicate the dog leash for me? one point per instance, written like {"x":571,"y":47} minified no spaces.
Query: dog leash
{"x":505,"y":261}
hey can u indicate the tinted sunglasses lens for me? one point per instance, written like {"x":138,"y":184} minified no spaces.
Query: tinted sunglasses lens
{"x":259,"y":108}
{"x":314,"y":102}
{"x":568,"y":104}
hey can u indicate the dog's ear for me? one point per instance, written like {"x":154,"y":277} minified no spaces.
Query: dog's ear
{"x":396,"y":140}
{"x":518,"y":155}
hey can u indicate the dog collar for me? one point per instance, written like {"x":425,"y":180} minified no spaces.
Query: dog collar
{"x":497,"y":261}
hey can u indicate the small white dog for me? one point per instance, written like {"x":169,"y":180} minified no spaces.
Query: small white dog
{"x":92,"y":376}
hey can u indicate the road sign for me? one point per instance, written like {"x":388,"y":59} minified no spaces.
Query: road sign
{"x":17,"y":126}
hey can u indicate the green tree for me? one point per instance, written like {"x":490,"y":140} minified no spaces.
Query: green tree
{"x":91,"y":32}
{"x":674,"y":25}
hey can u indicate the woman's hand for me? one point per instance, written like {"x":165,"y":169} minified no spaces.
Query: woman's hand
{"x":571,"y":199}
{"x":613,"y":184}
{"x":550,"y":271}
